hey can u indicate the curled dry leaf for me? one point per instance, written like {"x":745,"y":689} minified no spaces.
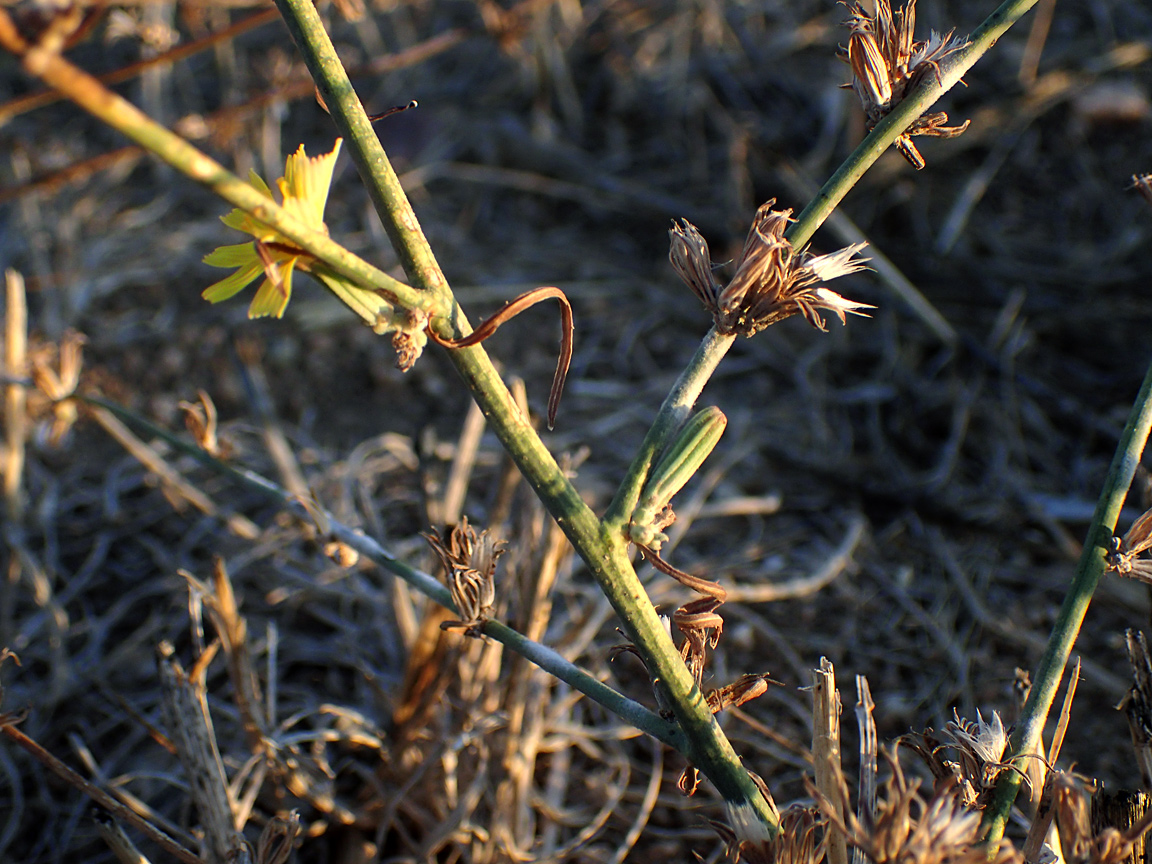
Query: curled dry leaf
{"x":510,"y":310}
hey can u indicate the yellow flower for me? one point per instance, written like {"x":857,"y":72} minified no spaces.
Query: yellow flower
{"x":304,"y":189}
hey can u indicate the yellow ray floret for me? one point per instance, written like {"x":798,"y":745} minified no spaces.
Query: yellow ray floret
{"x":304,"y":190}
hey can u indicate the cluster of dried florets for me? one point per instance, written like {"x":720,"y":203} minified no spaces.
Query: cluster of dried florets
{"x":772,"y":282}
{"x":469,"y":561}
{"x":887,"y":64}
{"x":977,"y":748}
{"x":907,"y":829}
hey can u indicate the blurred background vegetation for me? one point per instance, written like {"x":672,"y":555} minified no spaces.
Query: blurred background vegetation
{"x":905,"y":495}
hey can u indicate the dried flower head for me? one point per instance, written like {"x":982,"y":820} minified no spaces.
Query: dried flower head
{"x":773,"y":281}
{"x":887,"y":64}
{"x":906,"y":829}
{"x":469,"y":561}
{"x":978,"y":746}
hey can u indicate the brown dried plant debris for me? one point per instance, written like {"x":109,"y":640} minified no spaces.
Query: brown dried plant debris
{"x":56,"y":372}
{"x":978,"y":747}
{"x":887,"y":64}
{"x":469,"y":561}
{"x":907,"y":829}
{"x":803,"y":839}
{"x":772,"y":282}
{"x":1078,"y":842}
{"x":1142,"y":183}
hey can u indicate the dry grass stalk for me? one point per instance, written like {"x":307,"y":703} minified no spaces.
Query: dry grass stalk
{"x":1081,"y":840}
{"x":15,"y":393}
{"x":826,"y":710}
{"x":869,"y":746}
{"x":177,"y":489}
{"x":190,"y":729}
{"x":1137,"y":703}
{"x":232,"y":630}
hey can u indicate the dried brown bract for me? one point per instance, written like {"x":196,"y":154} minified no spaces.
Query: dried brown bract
{"x":743,"y":689}
{"x":803,"y":839}
{"x":887,"y":64}
{"x":773,"y":281}
{"x":469,"y":561}
{"x":1074,"y":818}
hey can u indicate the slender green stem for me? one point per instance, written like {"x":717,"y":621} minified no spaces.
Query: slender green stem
{"x":94,"y":97}
{"x":902,"y":116}
{"x":604,"y":552}
{"x":371,"y":161}
{"x":671,"y":416}
{"x":546,"y":658}
{"x":1046,"y":681}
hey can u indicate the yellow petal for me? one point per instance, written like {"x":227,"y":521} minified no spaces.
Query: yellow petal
{"x":231,"y":285}
{"x":258,"y":181}
{"x":306,"y":182}
{"x":272,"y":297}
{"x":240,"y":255}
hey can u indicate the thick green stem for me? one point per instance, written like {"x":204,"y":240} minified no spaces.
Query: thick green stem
{"x":605,"y":552}
{"x":1046,"y":681}
{"x":892,"y":126}
{"x":94,"y":97}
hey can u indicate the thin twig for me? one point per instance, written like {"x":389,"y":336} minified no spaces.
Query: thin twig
{"x":120,"y":811}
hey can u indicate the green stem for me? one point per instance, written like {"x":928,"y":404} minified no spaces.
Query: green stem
{"x":902,"y":116}
{"x":371,"y":161}
{"x":1045,"y":683}
{"x":546,"y":658}
{"x":671,"y":416}
{"x":604,"y":552}
{"x":94,"y":97}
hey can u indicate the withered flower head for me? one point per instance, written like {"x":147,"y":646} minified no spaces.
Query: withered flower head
{"x":469,"y":564}
{"x":887,"y":64}
{"x":906,"y":829}
{"x":977,"y":748}
{"x":773,"y":281}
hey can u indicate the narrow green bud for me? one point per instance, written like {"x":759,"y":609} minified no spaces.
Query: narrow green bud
{"x":682,"y":460}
